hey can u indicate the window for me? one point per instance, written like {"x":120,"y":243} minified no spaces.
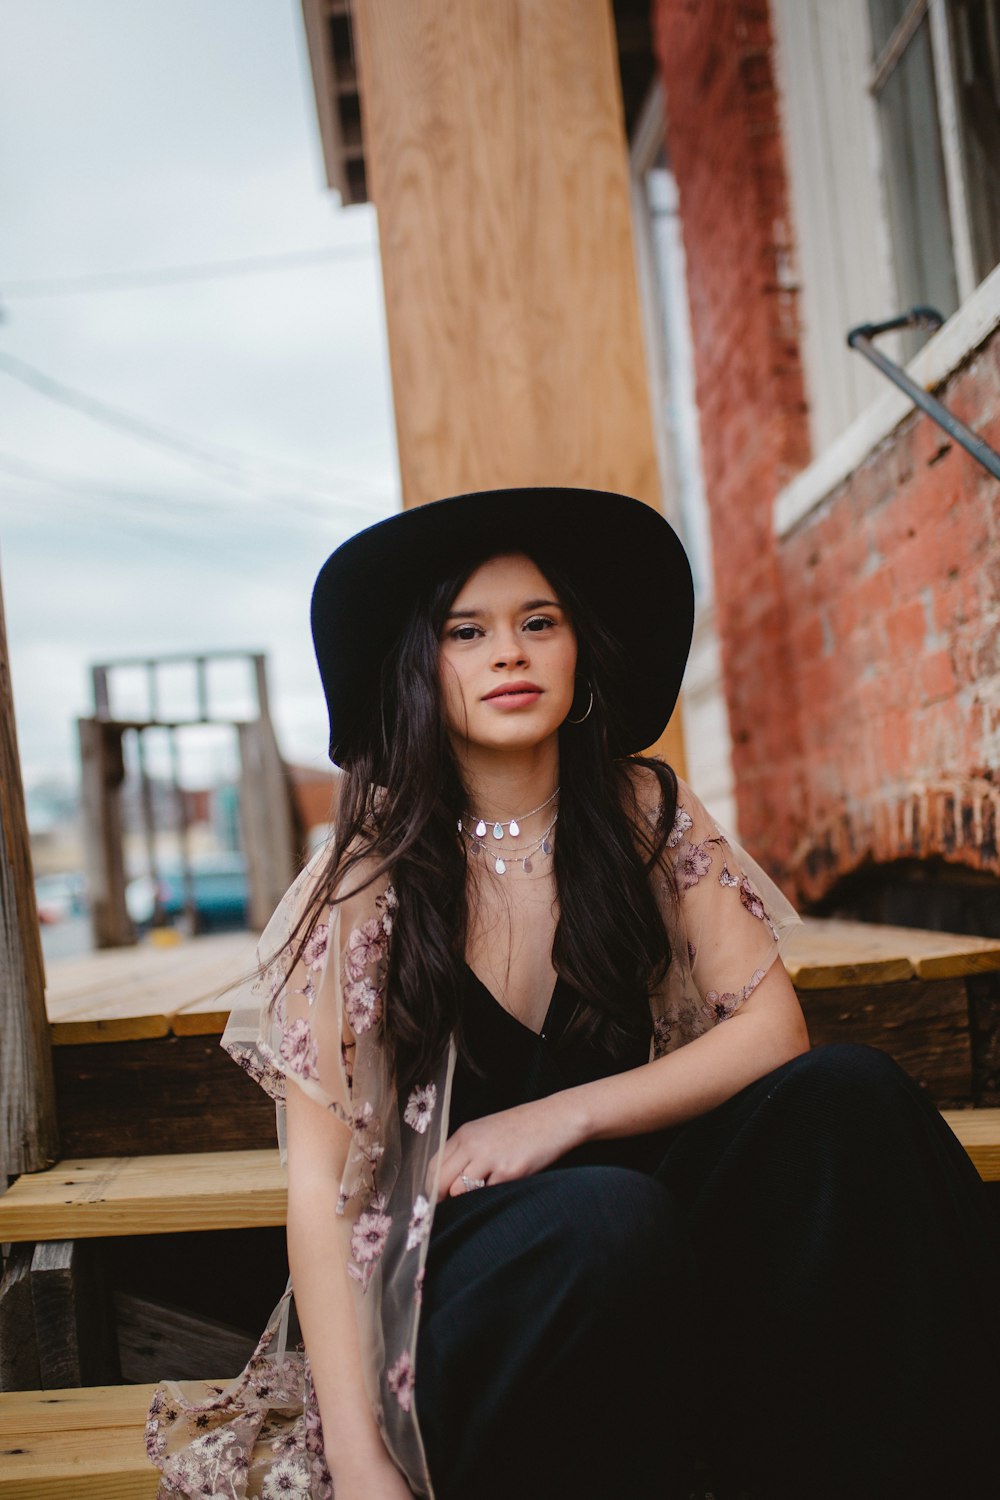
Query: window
{"x":936,"y":82}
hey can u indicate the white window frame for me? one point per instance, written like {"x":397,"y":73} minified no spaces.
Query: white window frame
{"x":975,"y":320}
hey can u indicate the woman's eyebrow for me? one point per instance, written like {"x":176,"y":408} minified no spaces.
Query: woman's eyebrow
{"x":469,"y":614}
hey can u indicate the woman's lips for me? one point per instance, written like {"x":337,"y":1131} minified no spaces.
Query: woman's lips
{"x":521,"y":698}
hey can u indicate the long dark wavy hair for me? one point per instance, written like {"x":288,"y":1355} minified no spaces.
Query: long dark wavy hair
{"x":399,"y":799}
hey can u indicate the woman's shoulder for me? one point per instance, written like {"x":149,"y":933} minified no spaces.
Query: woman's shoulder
{"x":654,"y":788}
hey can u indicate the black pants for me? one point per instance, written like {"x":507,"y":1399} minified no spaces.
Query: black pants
{"x":803,"y":1292}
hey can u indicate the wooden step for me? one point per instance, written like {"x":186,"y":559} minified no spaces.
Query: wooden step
{"x":84,"y":1444}
{"x":146,"y":1195}
{"x":240,"y":1189}
{"x":979,"y":1132}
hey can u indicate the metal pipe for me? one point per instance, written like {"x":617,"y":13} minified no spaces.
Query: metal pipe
{"x":927,"y":317}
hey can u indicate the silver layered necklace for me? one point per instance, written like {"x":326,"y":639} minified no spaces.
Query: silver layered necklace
{"x":500,"y":856}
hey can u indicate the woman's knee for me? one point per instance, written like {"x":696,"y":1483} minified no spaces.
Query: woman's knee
{"x":617,"y":1221}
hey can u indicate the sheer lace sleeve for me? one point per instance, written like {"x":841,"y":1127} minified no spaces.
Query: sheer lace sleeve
{"x":290,"y":1022}
{"x":733,"y":918}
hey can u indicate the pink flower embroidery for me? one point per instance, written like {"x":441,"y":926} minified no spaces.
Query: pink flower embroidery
{"x":420,"y":1223}
{"x":387,"y":904}
{"x":690,"y":866}
{"x":365,"y":946}
{"x":315,"y":948}
{"x":682,"y":822}
{"x":420,"y":1107}
{"x":363,"y":1003}
{"x":418,"y":1287}
{"x":662,"y":1032}
{"x":298,"y":1049}
{"x":727,"y":877}
{"x":399,"y":1377}
{"x":751,"y":900}
{"x":722,"y":1006}
{"x":369,"y":1235}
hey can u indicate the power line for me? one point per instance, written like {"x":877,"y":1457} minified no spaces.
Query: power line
{"x":230,"y":466}
{"x":110,"y":281}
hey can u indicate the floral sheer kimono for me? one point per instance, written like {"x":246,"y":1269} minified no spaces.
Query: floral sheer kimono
{"x":319,"y":1026}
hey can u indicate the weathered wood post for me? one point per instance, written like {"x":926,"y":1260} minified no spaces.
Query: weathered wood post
{"x":497,"y":160}
{"x":28,"y":1132}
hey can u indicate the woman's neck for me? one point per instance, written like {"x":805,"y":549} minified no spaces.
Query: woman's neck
{"x":504,"y":784}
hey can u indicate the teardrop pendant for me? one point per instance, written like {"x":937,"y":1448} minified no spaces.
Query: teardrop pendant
{"x":498,"y":830}
{"x":546,"y":846}
{"x":480,"y":829}
{"x":514,"y":828}
{"x":460,"y":825}
{"x":476,"y":848}
{"x":501,"y":868}
{"x":526,"y":862}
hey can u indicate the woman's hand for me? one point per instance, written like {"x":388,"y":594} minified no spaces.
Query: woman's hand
{"x":513,"y":1143}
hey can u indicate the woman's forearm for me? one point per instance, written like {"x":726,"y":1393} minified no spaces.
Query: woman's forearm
{"x":317,"y":1260}
{"x":768,"y":1030}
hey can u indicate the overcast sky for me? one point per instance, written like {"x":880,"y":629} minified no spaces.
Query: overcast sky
{"x":138,"y":136}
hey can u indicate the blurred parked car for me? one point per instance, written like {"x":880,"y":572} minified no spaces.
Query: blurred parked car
{"x":60,"y":896}
{"x":220,"y":893}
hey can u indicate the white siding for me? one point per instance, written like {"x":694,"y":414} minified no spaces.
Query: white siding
{"x":832,"y":149}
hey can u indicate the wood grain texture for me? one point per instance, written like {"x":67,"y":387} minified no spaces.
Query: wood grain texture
{"x":146,"y":1195}
{"x":979,"y":1132}
{"x":157,"y":1341}
{"x":74,"y":1317}
{"x":145,"y":1098}
{"x":827,"y":952}
{"x":498,"y":164}
{"x":923,"y":1025}
{"x":76,"y":1444}
{"x":18,"y":1349}
{"x":131,"y":994}
{"x":28,"y":1134}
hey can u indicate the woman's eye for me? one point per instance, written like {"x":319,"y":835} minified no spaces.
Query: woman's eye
{"x":465,"y":632}
{"x":538,"y":622}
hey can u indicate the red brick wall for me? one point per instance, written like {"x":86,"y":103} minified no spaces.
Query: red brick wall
{"x":893,"y":591}
{"x":861,"y":655}
{"x":724,"y":143}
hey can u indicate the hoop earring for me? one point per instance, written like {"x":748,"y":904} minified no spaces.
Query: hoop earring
{"x":589,"y":707}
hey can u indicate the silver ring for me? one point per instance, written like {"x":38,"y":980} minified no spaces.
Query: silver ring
{"x":473,"y":1182}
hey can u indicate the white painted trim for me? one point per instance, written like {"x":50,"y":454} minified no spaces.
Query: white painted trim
{"x":964,"y":331}
{"x":951,"y":148}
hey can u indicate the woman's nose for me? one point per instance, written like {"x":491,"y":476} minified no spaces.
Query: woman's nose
{"x":511,"y":654}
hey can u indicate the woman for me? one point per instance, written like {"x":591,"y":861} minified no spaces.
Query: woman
{"x":603,"y":1215}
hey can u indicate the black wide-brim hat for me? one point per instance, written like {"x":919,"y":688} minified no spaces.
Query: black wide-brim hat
{"x":622,"y":557}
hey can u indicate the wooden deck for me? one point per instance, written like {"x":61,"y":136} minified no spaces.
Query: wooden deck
{"x":131,"y":994}
{"x":143,"y":992}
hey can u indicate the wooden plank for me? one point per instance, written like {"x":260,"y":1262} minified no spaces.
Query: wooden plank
{"x":137,"y":994}
{"x":146,"y":1098}
{"x":74,"y":1318}
{"x":158,"y":1341}
{"x":38,"y":1413}
{"x":924,"y":1026}
{"x":979,"y":1132}
{"x":111,"y":1465}
{"x":146,"y":1195}
{"x":18,"y":1349}
{"x":86,"y":1444}
{"x":28,"y":1137}
{"x":827,"y":953}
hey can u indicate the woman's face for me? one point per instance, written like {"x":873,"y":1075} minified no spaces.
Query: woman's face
{"x":507,"y":657}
